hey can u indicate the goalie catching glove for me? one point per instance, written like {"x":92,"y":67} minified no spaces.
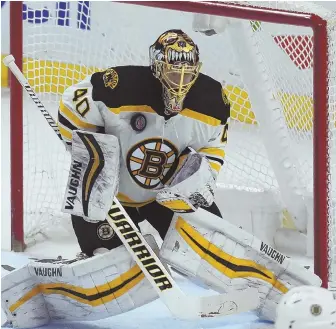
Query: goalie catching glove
{"x":192,"y":186}
{"x":94,"y":175}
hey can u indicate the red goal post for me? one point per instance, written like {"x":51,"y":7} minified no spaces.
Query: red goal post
{"x":323,"y":260}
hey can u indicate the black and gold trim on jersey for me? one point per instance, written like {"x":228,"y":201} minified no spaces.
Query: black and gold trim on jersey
{"x":215,"y":156}
{"x":224,"y":134}
{"x":66,"y":128}
{"x":96,"y":296}
{"x":132,"y":108}
{"x":138,"y":87}
{"x":207,"y":119}
{"x":69,"y":121}
{"x":230,"y":266}
{"x":94,"y":168}
{"x":185,"y":112}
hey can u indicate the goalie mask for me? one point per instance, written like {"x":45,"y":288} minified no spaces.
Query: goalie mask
{"x":174,"y":60}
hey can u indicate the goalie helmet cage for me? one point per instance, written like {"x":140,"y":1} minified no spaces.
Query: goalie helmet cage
{"x":273,"y":98}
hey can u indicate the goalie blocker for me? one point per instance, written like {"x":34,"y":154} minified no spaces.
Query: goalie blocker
{"x":94,"y":175}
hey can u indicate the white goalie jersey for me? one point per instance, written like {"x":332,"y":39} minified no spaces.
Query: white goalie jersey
{"x":127,"y":102}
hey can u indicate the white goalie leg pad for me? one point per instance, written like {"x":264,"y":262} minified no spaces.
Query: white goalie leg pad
{"x":94,"y":175}
{"x":98,"y":287}
{"x":225,"y":257}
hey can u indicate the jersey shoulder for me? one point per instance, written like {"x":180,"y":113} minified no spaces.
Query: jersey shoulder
{"x":208,"y":97}
{"x":122,"y":85}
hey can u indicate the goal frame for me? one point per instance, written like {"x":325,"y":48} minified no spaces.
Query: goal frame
{"x":320,"y":95}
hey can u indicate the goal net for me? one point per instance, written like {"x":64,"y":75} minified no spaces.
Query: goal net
{"x":267,"y":63}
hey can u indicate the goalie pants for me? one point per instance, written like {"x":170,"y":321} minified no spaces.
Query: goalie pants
{"x":91,"y":236}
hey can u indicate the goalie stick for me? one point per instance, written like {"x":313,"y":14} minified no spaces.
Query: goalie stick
{"x":179,"y":304}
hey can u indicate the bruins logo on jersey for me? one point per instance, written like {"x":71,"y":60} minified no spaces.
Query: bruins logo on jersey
{"x":111,"y":78}
{"x":149,"y":161}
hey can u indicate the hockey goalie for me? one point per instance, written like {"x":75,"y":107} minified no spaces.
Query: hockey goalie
{"x":154,"y":137}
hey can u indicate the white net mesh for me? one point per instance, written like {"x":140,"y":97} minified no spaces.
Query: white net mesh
{"x":293,"y":87}
{"x":65,"y":41}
